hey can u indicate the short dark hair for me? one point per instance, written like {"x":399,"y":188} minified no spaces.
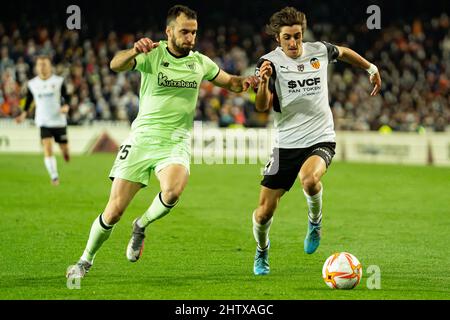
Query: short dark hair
{"x":178,"y":9}
{"x":288,"y":16}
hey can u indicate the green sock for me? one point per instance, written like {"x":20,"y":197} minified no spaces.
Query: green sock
{"x":157,"y":210}
{"x":100,"y":232}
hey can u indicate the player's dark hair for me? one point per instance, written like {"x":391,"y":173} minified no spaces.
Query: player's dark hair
{"x":288,"y":16}
{"x":178,"y":9}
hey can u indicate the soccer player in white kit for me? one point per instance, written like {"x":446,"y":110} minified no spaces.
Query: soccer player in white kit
{"x":49,"y":94}
{"x":293,"y":81}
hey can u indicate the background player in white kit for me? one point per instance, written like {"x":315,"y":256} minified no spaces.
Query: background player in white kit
{"x":293,"y":80}
{"x":49,"y":94}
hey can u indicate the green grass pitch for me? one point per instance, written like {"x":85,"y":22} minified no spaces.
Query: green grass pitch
{"x":395,"y":217}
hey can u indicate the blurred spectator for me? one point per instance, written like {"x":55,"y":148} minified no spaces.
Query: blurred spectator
{"x":414,"y":60}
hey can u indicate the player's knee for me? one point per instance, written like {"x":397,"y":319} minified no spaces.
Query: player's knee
{"x":311,"y":182}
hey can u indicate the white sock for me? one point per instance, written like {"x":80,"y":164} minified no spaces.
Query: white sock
{"x":100,"y":232}
{"x":157,"y":210}
{"x":261,"y":232}
{"x":52,"y":168}
{"x":314,"y":206}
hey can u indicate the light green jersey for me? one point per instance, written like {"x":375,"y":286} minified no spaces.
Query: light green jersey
{"x":169,"y":92}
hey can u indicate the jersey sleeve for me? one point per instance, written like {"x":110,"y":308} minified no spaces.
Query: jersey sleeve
{"x":64,"y":95}
{"x":145,"y":62}
{"x":211,"y":69}
{"x":28,"y":99}
{"x":333,"y":52}
{"x":273,"y":78}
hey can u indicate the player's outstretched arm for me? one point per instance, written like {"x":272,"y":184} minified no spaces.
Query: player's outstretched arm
{"x":263,"y":95}
{"x":350,"y":56}
{"x":235,"y":83}
{"x":124,"y":60}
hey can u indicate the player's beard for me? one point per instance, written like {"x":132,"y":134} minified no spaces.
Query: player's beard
{"x":183,"y":50}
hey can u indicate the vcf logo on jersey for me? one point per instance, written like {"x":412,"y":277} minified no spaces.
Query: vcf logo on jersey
{"x":315,"y":63}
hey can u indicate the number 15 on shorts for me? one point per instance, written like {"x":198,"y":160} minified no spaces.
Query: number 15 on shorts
{"x":124,"y":150}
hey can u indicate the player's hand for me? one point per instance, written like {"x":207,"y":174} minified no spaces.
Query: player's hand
{"x":65,"y":109}
{"x":376,"y":80}
{"x":20,"y":118}
{"x":251,"y":81}
{"x":265,"y":71}
{"x":145,"y":45}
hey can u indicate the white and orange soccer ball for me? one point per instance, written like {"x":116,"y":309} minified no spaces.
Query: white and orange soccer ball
{"x":342,"y":270}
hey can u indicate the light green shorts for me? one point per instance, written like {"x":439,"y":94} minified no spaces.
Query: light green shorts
{"x":138,"y":156}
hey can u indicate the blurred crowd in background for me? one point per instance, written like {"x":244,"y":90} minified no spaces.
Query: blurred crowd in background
{"x":414,"y":60}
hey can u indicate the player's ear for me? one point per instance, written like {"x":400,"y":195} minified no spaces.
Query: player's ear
{"x":277,"y":38}
{"x":169,"y":31}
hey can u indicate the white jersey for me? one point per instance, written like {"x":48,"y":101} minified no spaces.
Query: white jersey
{"x":303,"y":116}
{"x":47,"y":97}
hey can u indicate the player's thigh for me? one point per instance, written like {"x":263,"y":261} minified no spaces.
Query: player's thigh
{"x":317,"y":161}
{"x":312,"y":170}
{"x":173,"y":178}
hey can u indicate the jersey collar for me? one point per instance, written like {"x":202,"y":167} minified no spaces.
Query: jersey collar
{"x":177,"y":57}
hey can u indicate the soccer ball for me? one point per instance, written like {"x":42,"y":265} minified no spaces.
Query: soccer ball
{"x":342,"y":270}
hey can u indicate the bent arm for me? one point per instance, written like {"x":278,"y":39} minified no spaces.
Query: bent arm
{"x":229,"y":82}
{"x":65,"y":98}
{"x":124,"y":60}
{"x":28,"y":101}
{"x":349,"y":56}
{"x":353,"y":58}
{"x":264,"y":97}
{"x":23,"y":115}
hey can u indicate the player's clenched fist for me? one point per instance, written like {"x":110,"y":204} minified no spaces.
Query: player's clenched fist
{"x":145,"y":45}
{"x":265,"y":71}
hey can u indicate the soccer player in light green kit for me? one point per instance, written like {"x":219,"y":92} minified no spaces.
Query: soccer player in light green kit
{"x":171,"y":74}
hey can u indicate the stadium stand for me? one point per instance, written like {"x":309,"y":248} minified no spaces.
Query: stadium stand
{"x":413,"y":56}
